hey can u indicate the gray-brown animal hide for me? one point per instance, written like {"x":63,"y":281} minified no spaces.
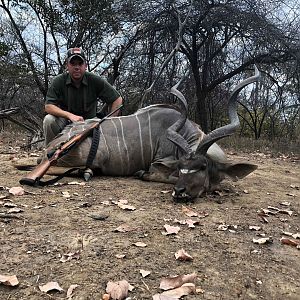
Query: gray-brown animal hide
{"x":132,"y":143}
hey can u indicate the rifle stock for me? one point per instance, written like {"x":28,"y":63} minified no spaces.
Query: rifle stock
{"x":33,"y":177}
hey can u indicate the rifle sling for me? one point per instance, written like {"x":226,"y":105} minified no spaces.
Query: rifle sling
{"x":54,"y":180}
{"x":89,"y":161}
{"x":94,"y":147}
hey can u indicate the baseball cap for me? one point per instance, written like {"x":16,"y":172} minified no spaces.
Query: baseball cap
{"x":75,"y":52}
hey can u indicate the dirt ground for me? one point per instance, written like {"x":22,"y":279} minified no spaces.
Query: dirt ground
{"x":59,"y":220}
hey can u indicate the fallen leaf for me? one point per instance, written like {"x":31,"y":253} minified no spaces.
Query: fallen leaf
{"x":181,"y":222}
{"x":266,"y":240}
{"x":70,"y":290}
{"x":99,"y":217}
{"x":50,"y":286}
{"x":106,"y":202}
{"x":76,"y":183}
{"x":122,"y":201}
{"x":15,"y":210}
{"x":256,"y":228}
{"x":286,"y":211}
{"x":183,"y":255}
{"x":166,"y":192}
{"x":222,"y":227}
{"x":290,"y":242}
{"x":145,"y":273}
{"x":184,"y":290}
{"x":10,"y":280}
{"x":189,"y":212}
{"x":9,"y":204}
{"x":16,"y":191}
{"x":140,"y":244}
{"x":177,"y":281}
{"x":124,"y":228}
{"x":291,"y":195}
{"x":66,"y":194}
{"x":71,"y":255}
{"x":170,"y":229}
{"x":126,"y":206}
{"x":162,"y":297}
{"x":191,"y":223}
{"x":117,"y":290}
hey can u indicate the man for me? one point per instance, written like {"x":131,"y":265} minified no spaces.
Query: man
{"x":73,"y":96}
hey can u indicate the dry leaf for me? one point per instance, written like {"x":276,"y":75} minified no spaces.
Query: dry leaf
{"x":256,"y":228}
{"x":50,"y":286}
{"x":140,"y":244}
{"x":181,"y":222}
{"x":16,"y":191}
{"x":184,"y":290}
{"x":76,"y":183}
{"x":66,"y":194}
{"x":68,"y":256}
{"x":222,"y":227}
{"x":9,"y":204}
{"x":177,"y":281}
{"x":70,"y":290}
{"x":170,"y":229}
{"x":286,"y":211}
{"x":14,"y":210}
{"x":166,"y":192}
{"x":10,"y":280}
{"x":122,"y":201}
{"x":267,"y":240}
{"x":117,"y":290}
{"x":183,"y":255}
{"x":162,"y":297}
{"x":191,"y":223}
{"x":189,"y":212}
{"x":105,"y":297}
{"x":144,"y":273}
{"x":124,"y":228}
{"x":290,"y":242}
{"x":126,"y":206}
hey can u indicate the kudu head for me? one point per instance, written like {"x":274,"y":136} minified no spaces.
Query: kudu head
{"x":197,"y":172}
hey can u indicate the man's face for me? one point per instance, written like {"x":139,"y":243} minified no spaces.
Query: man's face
{"x":76,"y":68}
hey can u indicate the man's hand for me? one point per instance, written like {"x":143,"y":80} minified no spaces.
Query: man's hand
{"x":74,"y":118}
{"x":58,"y":112}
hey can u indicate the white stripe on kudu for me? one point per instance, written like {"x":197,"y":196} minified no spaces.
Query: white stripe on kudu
{"x":125,"y":145}
{"x":141,"y":140}
{"x":150,"y":135}
{"x":102,"y":137}
{"x":119,"y":146}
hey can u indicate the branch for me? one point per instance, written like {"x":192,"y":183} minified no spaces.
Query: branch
{"x":176,"y":49}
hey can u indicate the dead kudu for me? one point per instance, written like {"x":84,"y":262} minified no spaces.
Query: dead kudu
{"x":158,"y":143}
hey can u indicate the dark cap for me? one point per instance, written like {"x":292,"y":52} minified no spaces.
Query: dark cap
{"x":75,"y":52}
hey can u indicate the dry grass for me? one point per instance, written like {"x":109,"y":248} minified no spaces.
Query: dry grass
{"x":275,"y":148}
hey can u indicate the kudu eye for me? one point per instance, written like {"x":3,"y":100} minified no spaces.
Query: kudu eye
{"x":203,"y":167}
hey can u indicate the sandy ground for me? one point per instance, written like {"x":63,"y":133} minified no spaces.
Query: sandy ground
{"x":40,"y":227}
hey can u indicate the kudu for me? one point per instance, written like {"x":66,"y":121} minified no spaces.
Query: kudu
{"x":158,"y":143}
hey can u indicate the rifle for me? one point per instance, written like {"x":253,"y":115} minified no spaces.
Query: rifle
{"x":33,"y":177}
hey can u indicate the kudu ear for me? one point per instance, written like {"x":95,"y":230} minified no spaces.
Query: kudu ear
{"x":239,"y":170}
